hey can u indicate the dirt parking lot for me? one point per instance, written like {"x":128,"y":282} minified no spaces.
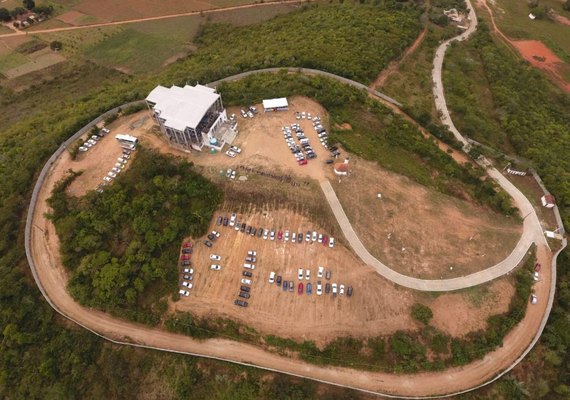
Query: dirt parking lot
{"x":377,"y":307}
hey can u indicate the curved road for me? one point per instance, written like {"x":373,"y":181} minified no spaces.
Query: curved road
{"x":50,"y":278}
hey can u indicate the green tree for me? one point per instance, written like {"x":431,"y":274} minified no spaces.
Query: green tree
{"x":5,"y":15}
{"x":29,"y":4}
{"x":56,"y":45}
{"x":422,"y":313}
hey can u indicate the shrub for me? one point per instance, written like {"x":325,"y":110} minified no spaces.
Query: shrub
{"x":422,"y":313}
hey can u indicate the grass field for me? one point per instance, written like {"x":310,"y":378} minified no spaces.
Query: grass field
{"x":512,"y":18}
{"x":11,"y":60}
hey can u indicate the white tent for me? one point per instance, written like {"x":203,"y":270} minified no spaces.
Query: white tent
{"x":279,"y":104}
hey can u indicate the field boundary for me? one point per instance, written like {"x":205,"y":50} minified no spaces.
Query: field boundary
{"x":28,"y":233}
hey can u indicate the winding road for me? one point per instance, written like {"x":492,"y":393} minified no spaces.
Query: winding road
{"x":46,"y":268}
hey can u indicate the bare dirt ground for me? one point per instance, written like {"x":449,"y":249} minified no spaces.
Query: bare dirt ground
{"x":71,"y":17}
{"x":418,"y":231}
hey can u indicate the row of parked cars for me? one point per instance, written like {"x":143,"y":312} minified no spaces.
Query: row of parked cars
{"x":119,"y":166}
{"x":92,"y":141}
{"x":247,"y":280}
{"x":321,"y":132}
{"x":286,"y":236}
{"x":301,"y":150}
{"x":187,"y":270}
{"x":328,"y":287}
{"x":212,"y":236}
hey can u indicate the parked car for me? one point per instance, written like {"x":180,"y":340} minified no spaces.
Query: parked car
{"x":293,"y":237}
{"x":215,"y":257}
{"x":186,"y":263}
{"x":265,"y":234}
{"x":248,"y":230}
{"x":341,"y":290}
{"x":83,"y":148}
{"x":259,"y":232}
{"x":252,"y":253}
{"x":536,"y":276}
{"x":211,"y":236}
{"x":331,"y":242}
{"x":278,"y":280}
{"x":247,"y":273}
{"x":533,"y":299}
{"x":320,"y":272}
{"x":216,"y":234}
{"x":320,"y":239}
{"x":246,"y":281}
{"x":286,"y":236}
{"x":300,"y":274}
{"x":272,"y":237}
{"x":208,"y":243}
{"x":216,"y":267}
{"x":235,"y":149}
{"x":314,"y":236}
{"x":111,"y":174}
{"x":188,"y":270}
{"x":319,"y":288}
{"x":226,"y":221}
{"x":279,"y":235}
{"x":220,"y":220}
{"x":328,"y":275}
{"x":187,"y":251}
{"x":537,"y":267}
{"x":184,"y":293}
{"x":249,"y":266}
{"x":244,"y":295}
{"x":308,"y":274}
{"x":107,"y":179}
{"x":233,"y":175}
{"x":228,"y":173}
{"x":300,"y":288}
{"x":325,"y":240}
{"x":309,"y":288}
{"x":187,"y":284}
{"x":349,"y":291}
{"x":240,"y":303}
{"x":302,"y":162}
{"x":237,"y":226}
{"x":327,"y":288}
{"x":271,"y":277}
{"x":308,"y":236}
{"x":334,"y":289}
{"x":291,"y":286}
{"x":231,"y":154}
{"x":242,"y":228}
{"x":285,"y":285}
{"x":233,"y":218}
{"x":300,"y":237}
{"x":244,"y":288}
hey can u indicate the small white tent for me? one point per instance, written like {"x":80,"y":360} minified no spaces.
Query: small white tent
{"x":275,"y":104}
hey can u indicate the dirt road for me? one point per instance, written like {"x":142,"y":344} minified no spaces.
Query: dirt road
{"x":156,"y":18}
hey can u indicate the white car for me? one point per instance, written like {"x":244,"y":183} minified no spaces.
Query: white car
{"x":272,"y":277}
{"x":307,"y":274}
{"x":237,"y":226}
{"x":215,"y":257}
{"x":187,"y":284}
{"x":116,"y":170}
{"x":231,"y":154}
{"x":249,"y":266}
{"x":184,"y":292}
{"x":341,"y":290}
{"x":309,"y":117}
{"x":265,"y":234}
{"x":252,"y":253}
{"x":188,"y":270}
{"x":88,"y":145}
{"x":228,"y":173}
{"x":216,"y":234}
{"x":294,"y":237}
{"x":536,"y":276}
{"x":95,"y":138}
{"x":300,"y":274}
{"x":246,"y":281}
{"x":334,"y":288}
{"x":216,"y":267}
{"x":314,"y":237}
{"x":233,"y":175}
{"x":331,"y":242}
{"x":272,"y":236}
{"x":108,"y":179}
{"x":235,"y":149}
{"x":320,"y":240}
{"x":92,"y":142}
{"x":533,"y":299}
{"x":105,"y":130}
{"x":119,"y":165}
{"x":286,"y":236}
{"x":83,"y":148}
{"x":319,"y":288}
{"x":233,"y":219}
{"x":320,"y":272}
{"x":111,"y":174}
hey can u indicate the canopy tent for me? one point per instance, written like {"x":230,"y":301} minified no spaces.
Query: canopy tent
{"x":276,"y":104}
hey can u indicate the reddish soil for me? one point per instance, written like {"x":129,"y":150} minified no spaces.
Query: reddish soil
{"x":563,"y":20}
{"x":70,"y":17}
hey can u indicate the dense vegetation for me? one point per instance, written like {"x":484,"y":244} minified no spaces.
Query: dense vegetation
{"x":120,"y":243}
{"x":402,"y":352}
{"x":532,"y":115}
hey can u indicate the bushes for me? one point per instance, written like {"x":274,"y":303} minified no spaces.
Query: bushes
{"x":422,"y":313}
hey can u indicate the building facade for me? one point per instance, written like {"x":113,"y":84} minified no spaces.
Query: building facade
{"x":189,"y":117}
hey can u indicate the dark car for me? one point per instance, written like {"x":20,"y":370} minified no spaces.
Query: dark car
{"x":211,"y":236}
{"x":327,"y":288}
{"x":240,"y":303}
{"x":248,"y":230}
{"x":328,"y":275}
{"x":208,"y":243}
{"x":247,"y":273}
{"x":244,"y":288}
{"x":300,"y":237}
{"x":285,"y":285}
{"x":349,"y":291}
{"x":278,"y":280}
{"x":220,"y":220}
{"x":259,"y":232}
{"x":186,"y":263}
{"x":309,"y":288}
{"x":187,"y":251}
{"x":333,"y":148}
{"x":279,"y":235}
{"x":250,"y":259}
{"x":253,"y":230}
{"x":242,"y":227}
{"x":226,"y":221}
{"x":537,"y":267}
{"x":245,"y":295}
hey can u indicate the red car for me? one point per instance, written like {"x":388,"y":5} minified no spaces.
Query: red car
{"x":325,"y":240}
{"x":279,"y":235}
{"x":302,"y":162}
{"x":185,"y":256}
{"x":186,"y":244}
{"x":300,"y":289}
{"x":537,"y":267}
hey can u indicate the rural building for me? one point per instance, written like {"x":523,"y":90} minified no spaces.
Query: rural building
{"x":341,"y":168}
{"x":191,"y":117}
{"x":275,"y":104}
{"x":548,"y":201}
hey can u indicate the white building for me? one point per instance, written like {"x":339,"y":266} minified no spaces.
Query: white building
{"x":190,"y":116}
{"x":279,"y":104}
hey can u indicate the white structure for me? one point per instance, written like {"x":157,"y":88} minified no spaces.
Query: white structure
{"x":548,"y":201}
{"x":342,"y":169}
{"x":279,"y":104}
{"x":189,"y":116}
{"x":127,"y":141}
